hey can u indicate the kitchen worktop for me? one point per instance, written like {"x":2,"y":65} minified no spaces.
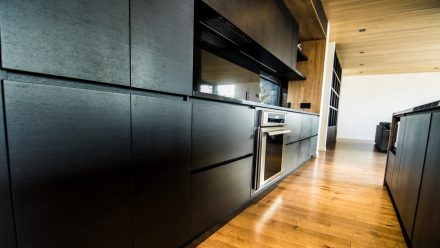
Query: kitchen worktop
{"x":201,"y":95}
{"x":421,"y":108}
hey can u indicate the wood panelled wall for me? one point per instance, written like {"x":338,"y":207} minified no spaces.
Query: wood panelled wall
{"x":309,"y":90}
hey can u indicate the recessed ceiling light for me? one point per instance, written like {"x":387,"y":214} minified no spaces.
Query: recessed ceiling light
{"x":361,"y":52}
{"x":362,"y":30}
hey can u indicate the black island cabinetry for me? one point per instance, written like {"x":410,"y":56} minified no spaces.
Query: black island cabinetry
{"x":412,"y":173}
{"x":104,"y":142}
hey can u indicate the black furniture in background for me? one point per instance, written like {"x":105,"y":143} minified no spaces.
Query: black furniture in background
{"x":382,"y":136}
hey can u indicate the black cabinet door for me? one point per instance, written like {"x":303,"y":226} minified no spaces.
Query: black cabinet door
{"x":306,"y":126}
{"x":411,"y":167}
{"x":217,"y":193}
{"x":72,"y":38}
{"x":313,"y":145}
{"x":427,"y":222}
{"x":291,"y":158}
{"x":161,"y":159}
{"x":294,"y":125}
{"x":220,"y":132}
{"x":162,"y":45}
{"x":397,"y":159}
{"x":70,"y":165}
{"x":304,"y":151}
{"x":7,"y":231}
{"x":390,"y":168}
{"x":235,"y":11}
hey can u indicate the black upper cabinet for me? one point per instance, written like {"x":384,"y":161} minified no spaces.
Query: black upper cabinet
{"x":7,"y":231}
{"x":233,"y":10}
{"x":70,"y":165}
{"x":411,"y":167}
{"x":427,"y":221}
{"x":162,"y":45}
{"x":294,"y":125}
{"x":161,"y":158}
{"x":72,"y":38}
{"x":217,"y":193}
{"x":220,"y":132}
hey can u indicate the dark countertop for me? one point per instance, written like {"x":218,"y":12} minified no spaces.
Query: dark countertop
{"x":206,"y":96}
{"x":422,"y":108}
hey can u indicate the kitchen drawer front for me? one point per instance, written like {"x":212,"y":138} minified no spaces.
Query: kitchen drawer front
{"x":161,"y":134}
{"x":291,"y":158}
{"x":304,"y":151}
{"x":220,"y":132}
{"x":306,"y":126}
{"x":218,"y":192}
{"x":7,"y":230}
{"x":313,"y":145}
{"x":315,"y":125}
{"x":294,"y":124}
{"x":69,"y":153}
{"x":71,"y":38}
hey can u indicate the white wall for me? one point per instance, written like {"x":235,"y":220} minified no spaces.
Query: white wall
{"x":367,"y":100}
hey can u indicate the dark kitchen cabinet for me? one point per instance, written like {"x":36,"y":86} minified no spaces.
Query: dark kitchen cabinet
{"x":390,"y":168}
{"x":71,"y":38}
{"x":427,"y":221}
{"x":291,"y":158}
{"x":69,"y":153}
{"x":161,"y":159}
{"x":294,"y":125}
{"x":315,"y":125}
{"x":235,"y":11}
{"x":313,"y":145}
{"x":220,"y":132}
{"x":162,"y":45}
{"x":7,"y":231}
{"x":218,"y":192}
{"x":304,"y":151}
{"x":411,"y":167}
{"x":268,"y":22}
{"x":397,"y":159}
{"x":306,"y":126}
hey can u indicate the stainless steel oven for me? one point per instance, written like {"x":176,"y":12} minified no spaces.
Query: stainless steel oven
{"x":271,"y":143}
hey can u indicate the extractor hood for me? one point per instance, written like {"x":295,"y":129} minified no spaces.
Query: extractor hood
{"x":216,"y":34}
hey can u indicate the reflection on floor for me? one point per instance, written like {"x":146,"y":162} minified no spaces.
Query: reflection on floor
{"x":336,"y":200}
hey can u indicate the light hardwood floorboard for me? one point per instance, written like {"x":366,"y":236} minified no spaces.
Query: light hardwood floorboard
{"x":335,"y":200}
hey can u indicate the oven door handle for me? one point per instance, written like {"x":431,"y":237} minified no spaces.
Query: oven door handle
{"x":278,"y":132}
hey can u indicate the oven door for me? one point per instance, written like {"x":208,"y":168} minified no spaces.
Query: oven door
{"x":271,"y":148}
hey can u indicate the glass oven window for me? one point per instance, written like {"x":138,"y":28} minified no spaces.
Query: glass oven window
{"x":274,"y":154}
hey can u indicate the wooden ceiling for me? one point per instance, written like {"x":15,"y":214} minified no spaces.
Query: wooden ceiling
{"x":304,"y":12}
{"x":401,"y":35}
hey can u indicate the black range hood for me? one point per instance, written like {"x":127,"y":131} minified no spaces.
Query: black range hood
{"x":219,"y":36}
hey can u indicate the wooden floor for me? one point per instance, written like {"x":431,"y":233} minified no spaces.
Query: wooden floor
{"x":336,"y":200}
